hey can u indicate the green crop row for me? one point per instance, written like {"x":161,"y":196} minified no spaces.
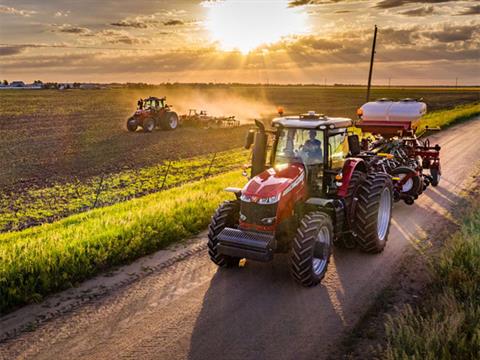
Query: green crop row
{"x":47,"y":258}
{"x":447,"y":324}
{"x":39,"y":205}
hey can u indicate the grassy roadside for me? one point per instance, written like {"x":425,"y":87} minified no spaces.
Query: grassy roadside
{"x":447,"y":323}
{"x":47,"y":258}
{"x":36,"y":206}
{"x":445,"y":118}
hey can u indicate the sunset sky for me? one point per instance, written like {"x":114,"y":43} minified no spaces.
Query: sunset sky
{"x":419,"y":42}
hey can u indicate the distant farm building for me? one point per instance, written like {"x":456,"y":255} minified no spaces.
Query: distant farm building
{"x":17,"y":84}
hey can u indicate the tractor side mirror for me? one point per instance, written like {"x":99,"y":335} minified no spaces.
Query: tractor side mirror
{"x":354,"y":145}
{"x":249,"y":139}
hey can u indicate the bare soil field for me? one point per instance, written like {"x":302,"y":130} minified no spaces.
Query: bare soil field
{"x":52,"y":136}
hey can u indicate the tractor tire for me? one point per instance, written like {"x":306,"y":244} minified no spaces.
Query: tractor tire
{"x":373,"y":212}
{"x":227,"y":215}
{"x":132,"y":125}
{"x":169,"y":121}
{"x":148,"y":125}
{"x":347,"y":241}
{"x":414,"y":185}
{"x":435,"y":174}
{"x":311,"y":249}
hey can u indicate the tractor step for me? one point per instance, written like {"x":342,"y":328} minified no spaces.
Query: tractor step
{"x":252,"y":245}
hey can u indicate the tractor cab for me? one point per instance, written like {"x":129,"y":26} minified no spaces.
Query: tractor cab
{"x":152,"y":104}
{"x":317,"y":143}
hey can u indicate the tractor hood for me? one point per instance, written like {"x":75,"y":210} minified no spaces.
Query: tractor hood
{"x":274,"y":182}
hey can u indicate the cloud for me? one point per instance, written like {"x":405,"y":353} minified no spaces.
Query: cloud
{"x":71,"y":29}
{"x":13,"y":11}
{"x":472,"y":10}
{"x":450,"y":33}
{"x":119,"y":37}
{"x":388,"y":4}
{"x":61,"y":14}
{"x":421,"y":11}
{"x":11,"y":50}
{"x":173,"y":22}
{"x":130,"y":23}
{"x":294,"y":3}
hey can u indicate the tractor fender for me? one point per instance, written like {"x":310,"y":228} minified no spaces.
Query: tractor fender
{"x":349,"y":167}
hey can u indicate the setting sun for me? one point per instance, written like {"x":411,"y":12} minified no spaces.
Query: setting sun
{"x":245,"y":25}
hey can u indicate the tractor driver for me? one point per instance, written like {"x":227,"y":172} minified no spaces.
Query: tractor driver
{"x":313,"y":147}
{"x":140,"y":104}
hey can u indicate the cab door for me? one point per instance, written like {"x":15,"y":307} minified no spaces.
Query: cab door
{"x":337,"y":153}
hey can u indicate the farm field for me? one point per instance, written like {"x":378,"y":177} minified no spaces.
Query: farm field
{"x":54,"y":136}
{"x":35,"y":206}
{"x":47,"y":258}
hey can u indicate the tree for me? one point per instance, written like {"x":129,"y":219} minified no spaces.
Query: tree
{"x":5,"y":82}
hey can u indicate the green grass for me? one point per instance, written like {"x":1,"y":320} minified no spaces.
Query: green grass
{"x":446,"y":118}
{"x":447,"y":324}
{"x":47,"y":258}
{"x":39,"y":205}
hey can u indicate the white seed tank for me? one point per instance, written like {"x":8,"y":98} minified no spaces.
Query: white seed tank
{"x":386,"y":110}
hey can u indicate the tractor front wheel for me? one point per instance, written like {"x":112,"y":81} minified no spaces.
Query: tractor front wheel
{"x":148,"y":125}
{"x":227,"y":215}
{"x":312,"y":248}
{"x":373,"y":212}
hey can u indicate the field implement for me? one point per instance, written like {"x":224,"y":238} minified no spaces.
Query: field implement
{"x":395,"y":149}
{"x":201,"y":119}
{"x":322,"y":187}
{"x":151,"y":113}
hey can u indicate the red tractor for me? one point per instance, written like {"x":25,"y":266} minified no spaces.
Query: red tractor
{"x":151,"y":113}
{"x":317,"y":190}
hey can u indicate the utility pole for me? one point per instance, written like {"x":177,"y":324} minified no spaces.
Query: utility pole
{"x":371,"y":63}
{"x":456,"y":82}
{"x":389,"y":81}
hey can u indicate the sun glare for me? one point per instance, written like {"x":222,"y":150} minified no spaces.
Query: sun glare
{"x":245,"y":25}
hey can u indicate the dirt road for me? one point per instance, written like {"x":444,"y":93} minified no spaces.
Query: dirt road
{"x":192,"y":310}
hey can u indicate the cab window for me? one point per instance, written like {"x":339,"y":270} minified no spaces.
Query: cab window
{"x":338,"y":150}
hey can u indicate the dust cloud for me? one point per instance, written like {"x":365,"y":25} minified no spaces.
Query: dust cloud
{"x":221,"y":103}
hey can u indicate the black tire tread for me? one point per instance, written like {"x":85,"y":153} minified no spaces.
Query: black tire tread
{"x":145,"y":128}
{"x":302,"y":248}
{"x":366,"y":213}
{"x":358,"y":177}
{"x":224,"y":216}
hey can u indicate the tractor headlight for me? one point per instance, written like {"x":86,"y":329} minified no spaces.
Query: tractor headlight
{"x":270,"y":200}
{"x":269,"y":221}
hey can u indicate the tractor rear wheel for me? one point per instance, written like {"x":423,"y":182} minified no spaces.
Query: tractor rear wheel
{"x":311,"y":249}
{"x":148,"y":125}
{"x":373,"y":212}
{"x":227,"y":215}
{"x":169,"y":121}
{"x":358,"y":177}
{"x":132,"y":125}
